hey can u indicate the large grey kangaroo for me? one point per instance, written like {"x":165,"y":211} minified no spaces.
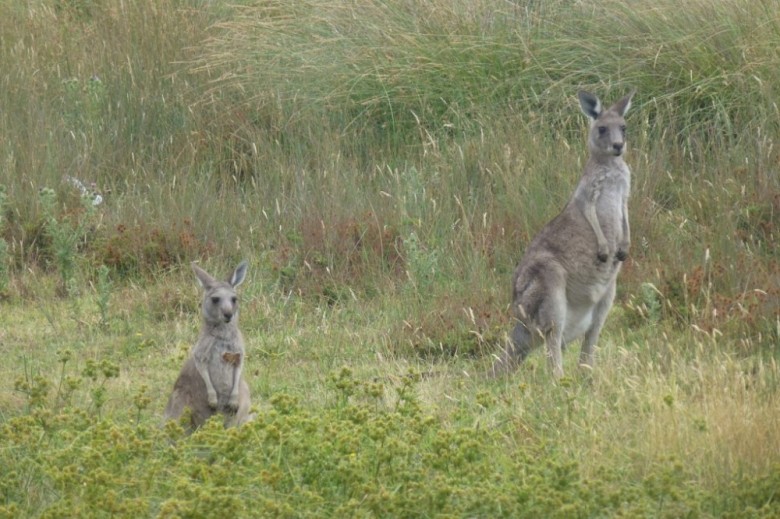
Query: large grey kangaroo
{"x":565,"y":284}
{"x":211,"y":380}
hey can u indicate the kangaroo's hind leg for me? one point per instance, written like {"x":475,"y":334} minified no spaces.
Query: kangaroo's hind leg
{"x":551,"y":317}
{"x":587,"y":353}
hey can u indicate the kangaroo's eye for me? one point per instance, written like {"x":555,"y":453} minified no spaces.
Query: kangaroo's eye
{"x":215,"y":300}
{"x":623,"y":128}
{"x":234,"y":300}
{"x":602,"y":130}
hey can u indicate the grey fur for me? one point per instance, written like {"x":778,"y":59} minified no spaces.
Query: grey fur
{"x":211,"y":379}
{"x":565,"y":284}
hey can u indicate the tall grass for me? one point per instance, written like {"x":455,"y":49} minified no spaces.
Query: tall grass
{"x":453,"y":122}
{"x":474,"y":99}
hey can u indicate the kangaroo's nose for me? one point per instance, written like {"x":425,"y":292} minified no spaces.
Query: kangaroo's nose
{"x":618,"y":147}
{"x":227,"y":316}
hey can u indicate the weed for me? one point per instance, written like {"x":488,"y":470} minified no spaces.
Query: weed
{"x":145,"y":249}
{"x":67,"y":384}
{"x":4,"y":256}
{"x":66,"y":234}
{"x":422,"y":265}
{"x":646,"y":306}
{"x":103,"y":289}
{"x":101,"y":371}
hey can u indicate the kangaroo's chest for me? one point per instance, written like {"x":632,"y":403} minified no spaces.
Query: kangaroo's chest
{"x":224,"y":358}
{"x":609,"y":190}
{"x":226,"y":352}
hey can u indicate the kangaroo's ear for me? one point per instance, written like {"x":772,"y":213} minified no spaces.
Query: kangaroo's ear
{"x":204,"y":278}
{"x":238,"y":275}
{"x":590,"y":104}
{"x":622,"y":106}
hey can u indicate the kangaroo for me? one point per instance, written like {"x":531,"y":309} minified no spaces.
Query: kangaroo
{"x":564,"y":286}
{"x":210,"y":380}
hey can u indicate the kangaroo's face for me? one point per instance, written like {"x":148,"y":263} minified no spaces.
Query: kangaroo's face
{"x":220,"y":302}
{"x":607,"y":136}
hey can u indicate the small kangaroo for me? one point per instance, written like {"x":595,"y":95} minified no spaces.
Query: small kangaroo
{"x":210,"y":380}
{"x":565,"y":284}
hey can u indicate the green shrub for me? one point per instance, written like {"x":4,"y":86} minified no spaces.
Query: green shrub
{"x":372,"y":451}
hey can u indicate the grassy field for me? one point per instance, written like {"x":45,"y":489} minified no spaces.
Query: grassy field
{"x":382,"y":165}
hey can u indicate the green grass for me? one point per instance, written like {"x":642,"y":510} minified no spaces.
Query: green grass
{"x":658,"y":428}
{"x":382,"y":165}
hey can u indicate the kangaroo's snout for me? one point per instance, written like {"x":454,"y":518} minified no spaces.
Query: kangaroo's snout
{"x":618,"y":148}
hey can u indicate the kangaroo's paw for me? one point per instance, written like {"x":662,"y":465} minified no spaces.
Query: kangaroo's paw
{"x":603,"y":252}
{"x":213,"y":400}
{"x":232,"y":406}
{"x":621,"y":255}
